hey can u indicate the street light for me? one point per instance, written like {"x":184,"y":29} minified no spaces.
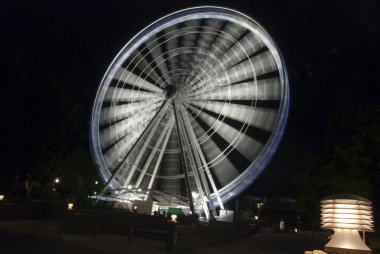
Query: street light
{"x":55,"y":184}
{"x":347,"y":214}
{"x":259,"y":205}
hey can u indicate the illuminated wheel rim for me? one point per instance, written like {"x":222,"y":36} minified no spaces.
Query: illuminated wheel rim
{"x":196,"y":102}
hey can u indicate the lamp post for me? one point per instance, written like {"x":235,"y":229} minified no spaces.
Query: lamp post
{"x":347,"y":214}
{"x":55,"y":183}
{"x":259,"y":205}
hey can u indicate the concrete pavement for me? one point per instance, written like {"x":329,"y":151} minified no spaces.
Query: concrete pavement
{"x":19,"y":237}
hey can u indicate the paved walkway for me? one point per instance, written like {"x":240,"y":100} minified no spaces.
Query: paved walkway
{"x":15,"y":237}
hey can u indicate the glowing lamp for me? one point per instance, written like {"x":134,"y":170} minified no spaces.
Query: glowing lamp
{"x":70,"y":206}
{"x":1,"y":197}
{"x":346,"y":215}
{"x":173,"y":217}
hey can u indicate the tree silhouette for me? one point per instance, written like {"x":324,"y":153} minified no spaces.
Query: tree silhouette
{"x":351,"y":161}
{"x":43,"y":135}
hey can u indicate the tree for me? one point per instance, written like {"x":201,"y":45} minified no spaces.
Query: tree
{"x":61,"y":151}
{"x":43,"y":135}
{"x":351,"y":161}
{"x":76,"y":174}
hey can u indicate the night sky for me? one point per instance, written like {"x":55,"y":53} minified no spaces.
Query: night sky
{"x":331,"y":49}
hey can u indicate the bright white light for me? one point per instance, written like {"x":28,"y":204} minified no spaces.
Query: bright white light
{"x":282,"y":225}
{"x":1,"y":197}
{"x":346,"y":216}
{"x":349,"y":216}
{"x":173,"y":217}
{"x":195,"y":194}
{"x":357,"y":210}
{"x":342,"y":206}
{"x":70,"y":206}
{"x":56,"y":180}
{"x":256,"y":217}
{"x":96,"y":182}
{"x":95,"y":192}
{"x":130,"y":187}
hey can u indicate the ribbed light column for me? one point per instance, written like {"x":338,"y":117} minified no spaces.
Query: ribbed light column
{"x":347,"y":214}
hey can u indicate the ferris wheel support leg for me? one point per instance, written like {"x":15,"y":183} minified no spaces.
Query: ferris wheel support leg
{"x":207,"y":169}
{"x":159,"y":115}
{"x":193,"y":141}
{"x":183,"y":162}
{"x":160,"y":157}
{"x":141,"y":153}
{"x":189,"y":144}
{"x":151,"y":155}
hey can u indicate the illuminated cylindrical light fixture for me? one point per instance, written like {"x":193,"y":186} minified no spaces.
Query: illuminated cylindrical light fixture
{"x":347,"y":214}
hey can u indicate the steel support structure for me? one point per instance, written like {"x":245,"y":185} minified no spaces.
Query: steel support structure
{"x":183,"y":160}
{"x":193,"y":165}
{"x":158,"y":163}
{"x":151,"y":155}
{"x":198,"y":150}
{"x":157,"y":117}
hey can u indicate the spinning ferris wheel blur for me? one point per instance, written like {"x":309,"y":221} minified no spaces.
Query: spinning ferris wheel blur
{"x":190,"y":111}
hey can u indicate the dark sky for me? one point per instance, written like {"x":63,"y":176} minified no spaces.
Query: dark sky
{"x":331,"y":49}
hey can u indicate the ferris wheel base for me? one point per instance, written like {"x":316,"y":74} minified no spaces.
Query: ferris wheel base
{"x":226,"y":216}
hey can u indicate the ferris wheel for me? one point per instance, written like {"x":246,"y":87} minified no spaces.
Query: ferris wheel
{"x":191,"y":110}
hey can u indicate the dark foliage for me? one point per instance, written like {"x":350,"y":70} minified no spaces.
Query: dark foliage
{"x":351,"y":160}
{"x":44,"y":139}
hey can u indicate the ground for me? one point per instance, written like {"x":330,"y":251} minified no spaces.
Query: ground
{"x":14,"y":239}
